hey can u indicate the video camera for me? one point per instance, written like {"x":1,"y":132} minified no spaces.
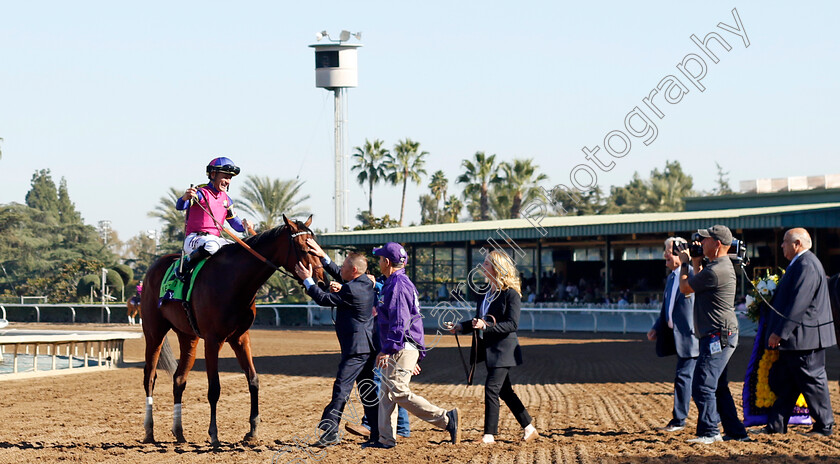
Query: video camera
{"x":738,"y":252}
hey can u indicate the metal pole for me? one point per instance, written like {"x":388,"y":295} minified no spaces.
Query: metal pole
{"x":340,"y":200}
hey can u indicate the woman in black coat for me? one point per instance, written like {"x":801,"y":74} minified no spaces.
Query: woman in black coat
{"x":496,"y":343}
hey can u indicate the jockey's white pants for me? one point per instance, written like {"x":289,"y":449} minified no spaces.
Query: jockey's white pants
{"x":210,"y":242}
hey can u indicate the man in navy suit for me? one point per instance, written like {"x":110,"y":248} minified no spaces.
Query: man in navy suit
{"x":674,"y":334}
{"x":801,"y":332}
{"x":354,"y":299}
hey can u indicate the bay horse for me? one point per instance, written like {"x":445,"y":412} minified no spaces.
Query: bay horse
{"x":132,"y":308}
{"x":223,"y":307}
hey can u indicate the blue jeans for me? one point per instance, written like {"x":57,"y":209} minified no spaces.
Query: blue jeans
{"x":403,"y":427}
{"x":710,"y":389}
{"x":682,"y":389}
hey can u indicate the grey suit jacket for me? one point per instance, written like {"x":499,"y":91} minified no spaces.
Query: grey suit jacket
{"x":802,"y":297}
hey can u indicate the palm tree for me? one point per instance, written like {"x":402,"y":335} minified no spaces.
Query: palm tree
{"x":452,"y":209}
{"x":480,"y":173}
{"x":438,"y":184}
{"x":522,"y":181}
{"x":173,"y":220}
{"x":369,"y":161}
{"x":405,"y":164}
{"x":269,"y":199}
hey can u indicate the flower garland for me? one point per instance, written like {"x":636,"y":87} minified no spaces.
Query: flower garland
{"x":761,"y":287}
{"x":758,"y":397}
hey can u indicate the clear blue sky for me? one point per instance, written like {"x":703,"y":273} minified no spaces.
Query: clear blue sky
{"x":127,"y":100}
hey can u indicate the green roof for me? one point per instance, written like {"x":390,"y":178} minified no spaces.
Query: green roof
{"x":820,"y":215}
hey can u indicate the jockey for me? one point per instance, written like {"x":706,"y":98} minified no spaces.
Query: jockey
{"x":204,"y":237}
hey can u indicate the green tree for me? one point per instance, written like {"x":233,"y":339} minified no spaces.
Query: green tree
{"x":480,"y":172}
{"x":428,"y":209}
{"x":370,"y":162}
{"x":405,"y":164}
{"x":173,"y":236}
{"x":522,"y":178}
{"x":500,"y":200}
{"x":67,"y":213}
{"x":439,"y":184}
{"x":43,"y":195}
{"x":592,"y":201}
{"x":723,"y":187}
{"x":452,"y":209}
{"x":268,"y":199}
{"x":663,"y":191}
{"x":369,"y":222}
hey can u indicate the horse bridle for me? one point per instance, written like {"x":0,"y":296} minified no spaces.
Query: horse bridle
{"x":257,"y":254}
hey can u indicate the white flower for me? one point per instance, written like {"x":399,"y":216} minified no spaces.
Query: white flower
{"x":771,"y":286}
{"x":762,"y":286}
{"x":750,"y":300}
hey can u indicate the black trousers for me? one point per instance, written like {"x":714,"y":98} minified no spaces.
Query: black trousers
{"x":498,"y":386}
{"x":353,"y":368}
{"x":800,"y":372}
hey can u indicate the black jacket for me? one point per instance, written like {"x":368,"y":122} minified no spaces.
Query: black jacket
{"x":802,"y":296}
{"x":499,"y":346}
{"x":354,"y":315}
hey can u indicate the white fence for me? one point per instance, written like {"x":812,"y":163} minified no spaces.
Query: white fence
{"x":581,"y":319}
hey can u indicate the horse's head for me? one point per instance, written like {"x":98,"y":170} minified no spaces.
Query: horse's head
{"x":299,"y":233}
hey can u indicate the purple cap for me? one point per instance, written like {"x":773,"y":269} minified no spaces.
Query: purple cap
{"x":394,"y":252}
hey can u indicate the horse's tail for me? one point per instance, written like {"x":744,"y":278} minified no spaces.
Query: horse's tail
{"x":167,"y":361}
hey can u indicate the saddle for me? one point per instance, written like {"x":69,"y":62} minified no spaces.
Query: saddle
{"x":172,"y":288}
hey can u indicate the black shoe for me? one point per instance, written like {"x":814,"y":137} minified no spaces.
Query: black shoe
{"x":452,"y":426}
{"x":744,"y":438}
{"x":190,"y":262}
{"x":764,"y":431}
{"x":822,"y":432}
{"x":376,"y":444}
{"x":329,"y":438}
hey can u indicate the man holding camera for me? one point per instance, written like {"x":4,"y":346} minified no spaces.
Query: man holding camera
{"x":674,"y":334}
{"x":716,"y":326}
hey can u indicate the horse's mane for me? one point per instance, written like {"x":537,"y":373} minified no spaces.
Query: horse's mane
{"x":268,"y":235}
{"x":255,"y":241}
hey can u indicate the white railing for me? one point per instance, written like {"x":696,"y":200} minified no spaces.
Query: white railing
{"x":311,"y":308}
{"x":105,"y":310}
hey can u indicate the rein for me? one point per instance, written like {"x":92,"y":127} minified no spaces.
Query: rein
{"x":251,"y":250}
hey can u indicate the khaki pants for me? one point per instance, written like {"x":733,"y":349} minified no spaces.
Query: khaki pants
{"x":395,"y":391}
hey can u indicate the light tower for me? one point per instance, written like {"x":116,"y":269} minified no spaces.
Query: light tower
{"x":336,"y":70}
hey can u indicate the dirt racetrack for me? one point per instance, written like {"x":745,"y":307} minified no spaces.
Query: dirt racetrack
{"x":594,"y":398}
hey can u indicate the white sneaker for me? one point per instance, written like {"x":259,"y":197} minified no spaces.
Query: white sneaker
{"x":530,"y":433}
{"x":488,"y":439}
{"x":705,"y":440}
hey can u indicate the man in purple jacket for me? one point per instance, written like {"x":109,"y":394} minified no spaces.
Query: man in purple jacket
{"x":402,"y":346}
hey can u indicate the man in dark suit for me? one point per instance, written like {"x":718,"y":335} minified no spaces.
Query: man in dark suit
{"x":674,"y":334}
{"x":801,"y":332}
{"x":354,"y":299}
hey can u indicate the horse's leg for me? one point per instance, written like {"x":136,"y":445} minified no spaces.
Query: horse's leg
{"x":211,"y":358}
{"x":242,"y":348}
{"x":154,"y":342}
{"x":179,"y":381}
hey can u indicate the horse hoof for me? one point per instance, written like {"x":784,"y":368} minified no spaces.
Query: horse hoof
{"x":215,"y":443}
{"x":150,"y":438}
{"x":250,"y":438}
{"x":180,"y":439}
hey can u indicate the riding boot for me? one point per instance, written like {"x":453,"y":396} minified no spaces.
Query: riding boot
{"x":190,"y":263}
